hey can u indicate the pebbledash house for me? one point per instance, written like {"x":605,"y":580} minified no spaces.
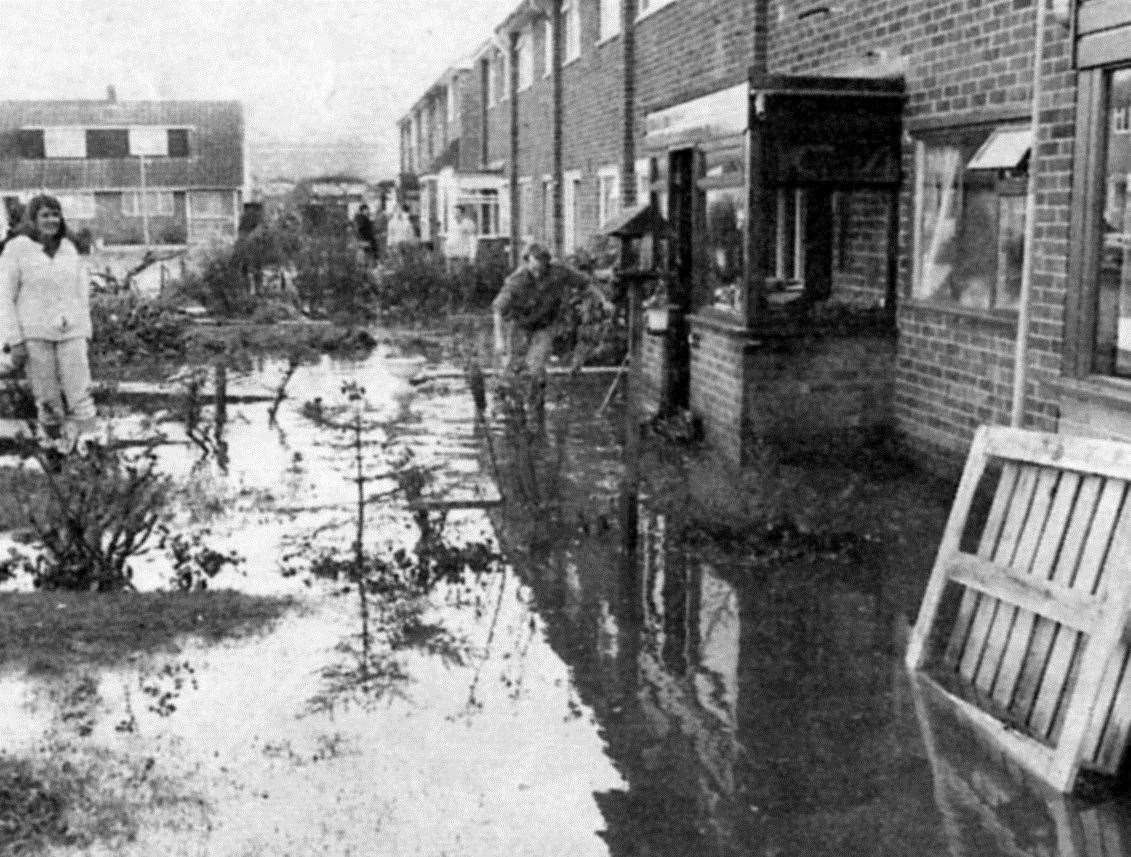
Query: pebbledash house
{"x":876,"y":212}
{"x":132,"y":172}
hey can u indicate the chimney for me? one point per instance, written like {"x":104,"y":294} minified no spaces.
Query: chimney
{"x":111,"y":94}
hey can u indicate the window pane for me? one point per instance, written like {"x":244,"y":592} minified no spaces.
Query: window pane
{"x":149,"y":141}
{"x":64,"y":142}
{"x":940,"y":190}
{"x":178,"y":143}
{"x":1113,"y":339}
{"x":32,"y":143}
{"x":1011,"y":250}
{"x":107,"y":143}
{"x":211,"y":203}
{"x":725,"y":238}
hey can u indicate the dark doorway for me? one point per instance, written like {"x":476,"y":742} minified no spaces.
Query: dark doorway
{"x":683,"y":204}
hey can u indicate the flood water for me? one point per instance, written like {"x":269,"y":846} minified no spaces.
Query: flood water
{"x":671,"y":698}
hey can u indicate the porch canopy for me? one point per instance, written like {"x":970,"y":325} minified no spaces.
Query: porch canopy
{"x":835,"y":133}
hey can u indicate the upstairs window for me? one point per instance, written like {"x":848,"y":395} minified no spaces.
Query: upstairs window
{"x":647,"y":7}
{"x":31,"y":143}
{"x":525,"y":61}
{"x":610,"y":19}
{"x":151,"y":142}
{"x":571,"y":30}
{"x":64,"y":143}
{"x":107,"y":143}
{"x":547,"y":48}
{"x":178,"y":142}
{"x":970,"y":216}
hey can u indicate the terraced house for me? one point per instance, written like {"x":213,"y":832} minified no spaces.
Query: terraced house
{"x":953,"y":170}
{"x":133,"y":172}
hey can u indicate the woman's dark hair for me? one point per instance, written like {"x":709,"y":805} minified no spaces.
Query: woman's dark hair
{"x":37,"y":204}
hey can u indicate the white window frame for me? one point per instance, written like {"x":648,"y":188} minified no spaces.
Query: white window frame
{"x":643,"y":180}
{"x":1121,"y":120}
{"x":644,"y":8}
{"x":547,"y":48}
{"x":159,"y":203}
{"x":572,"y":182}
{"x":608,"y":204}
{"x":525,"y":60}
{"x":571,"y":27}
{"x":492,"y":81}
{"x":609,"y":20}
{"x":150,"y":141}
{"x":78,"y":206}
{"x":64,"y":142}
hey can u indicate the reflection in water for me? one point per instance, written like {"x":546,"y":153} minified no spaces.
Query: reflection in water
{"x":990,"y":805}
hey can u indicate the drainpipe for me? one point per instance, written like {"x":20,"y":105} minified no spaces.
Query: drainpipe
{"x":556,"y":55}
{"x":512,"y":89}
{"x":628,"y":141}
{"x":1020,"y":352}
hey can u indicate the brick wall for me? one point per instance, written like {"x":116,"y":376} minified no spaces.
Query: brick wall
{"x":964,"y":62}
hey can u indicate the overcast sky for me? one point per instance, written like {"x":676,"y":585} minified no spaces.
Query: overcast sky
{"x":311,"y":72}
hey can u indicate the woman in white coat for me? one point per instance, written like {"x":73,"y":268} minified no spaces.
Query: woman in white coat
{"x":45,"y":321}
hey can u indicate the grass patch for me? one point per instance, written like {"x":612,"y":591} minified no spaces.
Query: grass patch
{"x":54,"y":632}
{"x":65,"y":796}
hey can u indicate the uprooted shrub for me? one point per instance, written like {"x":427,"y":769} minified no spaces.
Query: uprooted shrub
{"x":127,"y":328}
{"x":101,"y":512}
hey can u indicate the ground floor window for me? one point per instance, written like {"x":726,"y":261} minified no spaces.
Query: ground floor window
{"x":483,"y":207}
{"x":1113,"y":273}
{"x":159,"y":203}
{"x":725,"y":238}
{"x":211,"y":203}
{"x":608,"y":194}
{"x":571,"y":206}
{"x":970,"y":216}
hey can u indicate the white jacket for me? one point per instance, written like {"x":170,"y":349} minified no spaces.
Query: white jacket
{"x":41,"y":296}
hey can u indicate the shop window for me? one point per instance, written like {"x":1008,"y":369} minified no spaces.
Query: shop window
{"x":107,"y":143}
{"x":970,"y":217}
{"x":1113,"y":272}
{"x":64,"y":143}
{"x":571,"y":29}
{"x":608,"y":194}
{"x":610,"y":18}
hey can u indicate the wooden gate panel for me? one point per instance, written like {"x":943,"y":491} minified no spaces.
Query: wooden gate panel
{"x":1038,"y":648}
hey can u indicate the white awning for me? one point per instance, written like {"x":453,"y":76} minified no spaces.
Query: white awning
{"x":1006,"y":149}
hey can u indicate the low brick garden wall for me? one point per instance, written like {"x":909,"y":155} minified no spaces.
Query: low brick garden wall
{"x":793,"y":384}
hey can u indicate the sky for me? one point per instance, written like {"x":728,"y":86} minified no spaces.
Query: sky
{"x":317,"y":73}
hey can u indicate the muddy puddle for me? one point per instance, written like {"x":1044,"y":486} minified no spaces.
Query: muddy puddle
{"x":682,"y":697}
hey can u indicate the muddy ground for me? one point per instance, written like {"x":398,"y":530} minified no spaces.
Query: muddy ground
{"x":723,"y":679}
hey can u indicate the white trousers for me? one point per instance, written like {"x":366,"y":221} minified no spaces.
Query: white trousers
{"x":60,"y":381}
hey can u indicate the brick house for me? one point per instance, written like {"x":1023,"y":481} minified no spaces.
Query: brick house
{"x":444,"y":163}
{"x":133,"y":172}
{"x":874,"y":155}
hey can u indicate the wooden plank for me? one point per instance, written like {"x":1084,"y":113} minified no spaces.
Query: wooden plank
{"x":1044,"y":565}
{"x":1099,"y":650}
{"x":1032,"y":755}
{"x":1087,"y":571}
{"x":1063,"y":605}
{"x":1084,"y":455}
{"x":1113,"y":723}
{"x":1045,"y":633}
{"x":987,"y":544}
{"x":952,"y":537}
{"x":1005,"y":621}
{"x":1003,"y":555}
